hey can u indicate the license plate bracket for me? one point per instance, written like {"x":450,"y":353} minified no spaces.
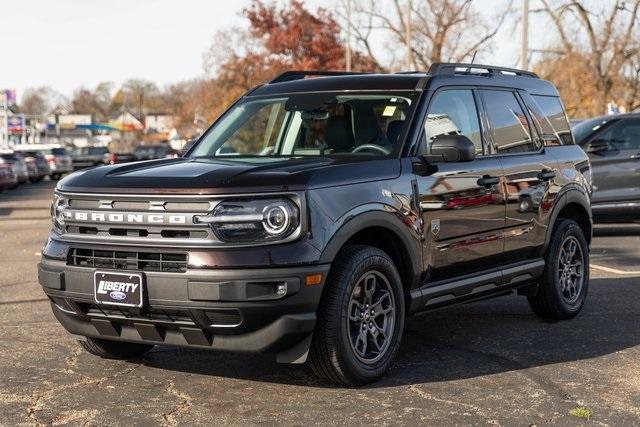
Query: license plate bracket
{"x":123,"y":289}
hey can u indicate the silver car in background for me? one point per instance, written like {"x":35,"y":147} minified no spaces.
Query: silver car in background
{"x":18,"y":165}
{"x":58,"y":158}
{"x":613,"y":145}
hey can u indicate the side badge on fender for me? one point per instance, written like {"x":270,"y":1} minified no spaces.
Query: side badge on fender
{"x":435,"y":226}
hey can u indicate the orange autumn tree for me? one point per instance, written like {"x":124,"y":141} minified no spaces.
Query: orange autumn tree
{"x":278,"y":39}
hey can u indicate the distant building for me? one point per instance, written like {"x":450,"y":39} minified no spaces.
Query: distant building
{"x":159,"y":123}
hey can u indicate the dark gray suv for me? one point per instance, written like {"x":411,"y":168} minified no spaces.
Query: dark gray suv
{"x":316,"y":214}
{"x":613,"y":145}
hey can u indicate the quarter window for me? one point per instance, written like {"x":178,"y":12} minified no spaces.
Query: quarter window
{"x":511,"y":130}
{"x":453,"y":112}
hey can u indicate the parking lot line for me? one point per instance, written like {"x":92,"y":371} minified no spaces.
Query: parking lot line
{"x":615,"y":270}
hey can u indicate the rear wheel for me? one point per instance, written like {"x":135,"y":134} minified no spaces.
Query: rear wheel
{"x":565,"y":281}
{"x":55,"y":176}
{"x":360,"y":318}
{"x":114,"y":349}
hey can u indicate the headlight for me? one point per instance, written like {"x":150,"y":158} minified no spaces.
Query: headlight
{"x":57,"y":212}
{"x":254,"y":220}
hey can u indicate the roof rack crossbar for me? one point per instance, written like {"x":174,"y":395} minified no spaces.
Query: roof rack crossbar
{"x":297,"y":75}
{"x":449,"y":68}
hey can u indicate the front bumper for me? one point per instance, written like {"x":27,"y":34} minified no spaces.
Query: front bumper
{"x":220,"y":309}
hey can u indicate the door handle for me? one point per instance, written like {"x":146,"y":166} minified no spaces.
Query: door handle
{"x":546,"y":174}
{"x":488,"y":181}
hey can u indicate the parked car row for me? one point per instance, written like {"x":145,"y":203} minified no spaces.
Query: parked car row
{"x":87,"y":157}
{"x":32,"y":163}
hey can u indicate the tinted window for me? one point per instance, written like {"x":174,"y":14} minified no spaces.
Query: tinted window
{"x":453,"y":112}
{"x":58,"y":151}
{"x":511,"y":131}
{"x":624,"y":135}
{"x":554,"y":116}
{"x":583,"y":130}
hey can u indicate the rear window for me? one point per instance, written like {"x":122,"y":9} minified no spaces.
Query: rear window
{"x":555,"y":120}
{"x":511,"y":130}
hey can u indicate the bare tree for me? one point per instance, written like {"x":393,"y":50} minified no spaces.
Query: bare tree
{"x":606,"y":38}
{"x":440,"y":30}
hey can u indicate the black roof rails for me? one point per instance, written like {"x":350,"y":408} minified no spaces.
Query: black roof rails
{"x":451,"y":68}
{"x":297,"y":75}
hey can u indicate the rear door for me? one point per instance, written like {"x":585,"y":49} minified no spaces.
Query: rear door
{"x":461,"y":203}
{"x":529,"y":172}
{"x":616,"y":169}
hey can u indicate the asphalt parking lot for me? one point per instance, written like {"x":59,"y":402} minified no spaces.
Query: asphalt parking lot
{"x":490,"y":362}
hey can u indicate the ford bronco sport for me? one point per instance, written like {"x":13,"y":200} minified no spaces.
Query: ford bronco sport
{"x":322,"y":209}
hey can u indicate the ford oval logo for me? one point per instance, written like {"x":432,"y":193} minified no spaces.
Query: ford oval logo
{"x":117,"y":295}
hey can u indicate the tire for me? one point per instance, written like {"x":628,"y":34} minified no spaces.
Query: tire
{"x":55,"y":176}
{"x":336,"y":355}
{"x":554,"y":300}
{"x":114,"y":349}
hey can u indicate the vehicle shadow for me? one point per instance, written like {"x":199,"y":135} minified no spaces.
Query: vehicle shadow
{"x":468,"y":341}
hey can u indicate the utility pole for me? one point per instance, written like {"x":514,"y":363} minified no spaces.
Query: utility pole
{"x":348,"y":50}
{"x":524,"y":50}
{"x":407,"y":36}
{"x":5,"y":118}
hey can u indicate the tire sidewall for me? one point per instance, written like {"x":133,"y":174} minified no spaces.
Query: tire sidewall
{"x":369,"y":259}
{"x":567,"y":229}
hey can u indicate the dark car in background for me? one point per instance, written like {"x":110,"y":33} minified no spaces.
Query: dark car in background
{"x":613,"y":145}
{"x":153,"y":152}
{"x":37,"y":159}
{"x":88,"y":157}
{"x":7,"y":177}
{"x":142,"y":152}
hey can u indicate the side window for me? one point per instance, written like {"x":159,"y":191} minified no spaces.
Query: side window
{"x":624,"y":135}
{"x":453,"y":112}
{"x":554,"y":116}
{"x":511,"y":131}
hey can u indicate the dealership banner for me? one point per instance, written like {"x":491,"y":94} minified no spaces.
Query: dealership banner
{"x":16,"y":123}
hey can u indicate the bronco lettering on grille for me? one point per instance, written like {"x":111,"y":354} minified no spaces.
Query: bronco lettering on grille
{"x":132,"y":218}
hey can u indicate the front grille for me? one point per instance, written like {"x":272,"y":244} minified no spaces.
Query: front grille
{"x":127,"y":260}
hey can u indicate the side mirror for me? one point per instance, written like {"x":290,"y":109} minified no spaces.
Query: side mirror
{"x":597,"y":146}
{"x":451,"y":148}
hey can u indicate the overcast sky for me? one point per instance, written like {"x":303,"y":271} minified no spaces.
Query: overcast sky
{"x":70,"y":43}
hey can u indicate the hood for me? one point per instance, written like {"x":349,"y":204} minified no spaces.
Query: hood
{"x":215,"y":176}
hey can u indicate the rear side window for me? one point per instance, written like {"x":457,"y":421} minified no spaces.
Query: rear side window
{"x":453,"y":112}
{"x":511,"y":130}
{"x":554,"y":117}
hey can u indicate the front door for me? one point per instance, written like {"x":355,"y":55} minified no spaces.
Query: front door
{"x":462,"y":204}
{"x":616,"y":170}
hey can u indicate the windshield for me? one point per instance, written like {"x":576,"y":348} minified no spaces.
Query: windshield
{"x":583,"y":130}
{"x":310,"y":124}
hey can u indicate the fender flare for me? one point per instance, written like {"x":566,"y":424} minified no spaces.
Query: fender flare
{"x":383,"y":219}
{"x":571,"y":194}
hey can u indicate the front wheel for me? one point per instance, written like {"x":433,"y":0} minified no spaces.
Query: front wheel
{"x":360,"y":318}
{"x":565,"y":282}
